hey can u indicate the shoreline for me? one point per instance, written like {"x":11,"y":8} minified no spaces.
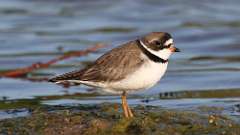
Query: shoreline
{"x":106,"y":118}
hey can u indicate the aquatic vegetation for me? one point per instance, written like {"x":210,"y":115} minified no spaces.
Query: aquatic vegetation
{"x":219,"y":93}
{"x":92,"y":120}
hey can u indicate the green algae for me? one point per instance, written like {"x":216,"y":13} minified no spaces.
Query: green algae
{"x":22,"y":103}
{"x":233,"y":24}
{"x":67,"y":96}
{"x":201,"y":94}
{"x":214,"y":58}
{"x":36,"y":102}
{"x":107,"y":119}
{"x":112,"y":30}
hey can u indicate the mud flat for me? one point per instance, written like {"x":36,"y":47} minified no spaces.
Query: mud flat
{"x":106,"y":118}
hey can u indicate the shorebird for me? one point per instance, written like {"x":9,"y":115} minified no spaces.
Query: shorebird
{"x":131,"y":67}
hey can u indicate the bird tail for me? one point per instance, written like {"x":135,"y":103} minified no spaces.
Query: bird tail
{"x":70,"y":77}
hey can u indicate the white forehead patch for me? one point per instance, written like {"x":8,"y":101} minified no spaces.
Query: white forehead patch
{"x":169,"y":41}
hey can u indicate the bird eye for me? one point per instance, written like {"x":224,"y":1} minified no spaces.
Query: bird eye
{"x":159,"y":44}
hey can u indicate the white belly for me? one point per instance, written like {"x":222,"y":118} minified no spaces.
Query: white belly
{"x":145,"y":77}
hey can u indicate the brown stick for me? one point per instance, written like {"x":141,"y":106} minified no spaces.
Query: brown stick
{"x":22,"y":71}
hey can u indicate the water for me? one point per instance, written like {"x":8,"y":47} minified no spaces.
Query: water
{"x":207,"y":32}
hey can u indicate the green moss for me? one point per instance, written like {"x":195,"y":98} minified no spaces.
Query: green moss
{"x":121,"y":126}
{"x":22,"y":103}
{"x":112,"y":30}
{"x":67,"y":96}
{"x":201,"y":94}
{"x":101,"y":120}
{"x":36,"y":102}
{"x":212,"y":24}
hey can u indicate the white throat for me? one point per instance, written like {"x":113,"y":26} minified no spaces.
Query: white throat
{"x":163,"y":54}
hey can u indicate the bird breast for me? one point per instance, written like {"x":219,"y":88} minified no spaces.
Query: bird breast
{"x":145,"y":77}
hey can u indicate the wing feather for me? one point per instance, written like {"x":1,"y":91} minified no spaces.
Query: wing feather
{"x":112,"y":66}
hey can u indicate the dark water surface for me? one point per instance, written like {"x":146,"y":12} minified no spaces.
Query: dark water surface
{"x":207,"y":32}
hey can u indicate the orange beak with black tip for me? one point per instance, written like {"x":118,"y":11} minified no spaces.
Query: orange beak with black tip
{"x":174,"y":49}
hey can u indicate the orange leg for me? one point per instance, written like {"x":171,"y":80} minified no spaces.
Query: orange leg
{"x":124,"y":105}
{"x":126,"y":109}
{"x":129,"y":111}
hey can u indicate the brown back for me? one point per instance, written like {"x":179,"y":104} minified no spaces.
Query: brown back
{"x":112,"y":66}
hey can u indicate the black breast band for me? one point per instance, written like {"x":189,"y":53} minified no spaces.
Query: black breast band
{"x":150,"y":55}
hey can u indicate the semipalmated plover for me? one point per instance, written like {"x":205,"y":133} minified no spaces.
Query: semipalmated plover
{"x":133,"y":66}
